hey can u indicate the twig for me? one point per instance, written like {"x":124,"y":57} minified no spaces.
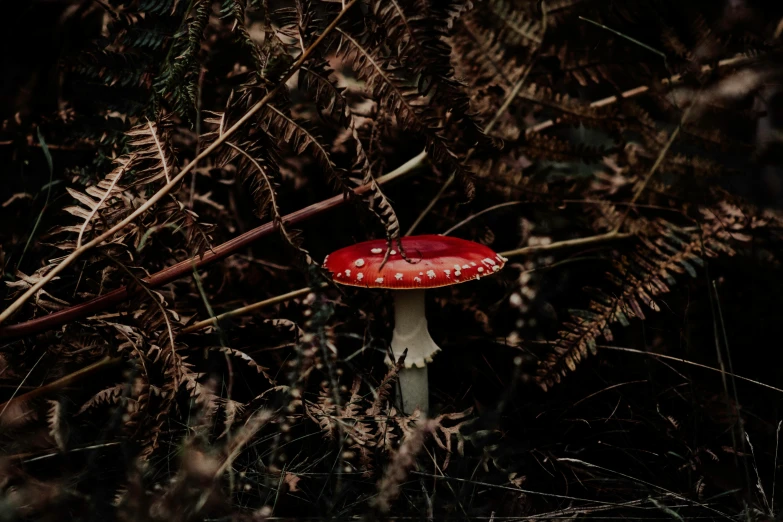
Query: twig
{"x":654,"y":168}
{"x":215,"y":321}
{"x":76,"y":254}
{"x":184,"y":268}
{"x":636,"y":91}
{"x":67,"y":380}
{"x":302,"y":291}
{"x":514,"y":489}
{"x":8,"y":402}
{"x":568,"y":243}
{"x":630,"y":39}
{"x":480,"y":213}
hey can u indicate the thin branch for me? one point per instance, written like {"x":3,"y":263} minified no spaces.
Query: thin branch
{"x":654,"y":168}
{"x":480,"y":213}
{"x":185,"y":268}
{"x":76,"y":254}
{"x":8,"y":402}
{"x":568,"y":243}
{"x":215,"y":321}
{"x":63,"y":382}
{"x":636,"y":91}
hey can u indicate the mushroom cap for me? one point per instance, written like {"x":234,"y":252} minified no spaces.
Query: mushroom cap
{"x":436,"y":261}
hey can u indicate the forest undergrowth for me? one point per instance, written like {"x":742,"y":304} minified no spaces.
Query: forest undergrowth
{"x":175,"y":172}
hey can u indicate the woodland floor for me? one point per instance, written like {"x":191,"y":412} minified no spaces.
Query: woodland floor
{"x":654,"y":396}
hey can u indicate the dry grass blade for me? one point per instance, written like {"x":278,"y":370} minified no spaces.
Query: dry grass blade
{"x":650,"y":484}
{"x":691,"y":363}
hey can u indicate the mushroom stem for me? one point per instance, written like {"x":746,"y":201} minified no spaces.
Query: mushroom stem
{"x":410,"y":331}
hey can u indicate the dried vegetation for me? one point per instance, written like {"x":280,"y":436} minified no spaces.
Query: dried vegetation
{"x":174,"y":172}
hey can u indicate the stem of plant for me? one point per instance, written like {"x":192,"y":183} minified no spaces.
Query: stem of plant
{"x":64,"y":381}
{"x":185,"y":267}
{"x":76,"y":254}
{"x":214,"y":321}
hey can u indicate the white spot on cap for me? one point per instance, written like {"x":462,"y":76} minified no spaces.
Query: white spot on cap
{"x":456,"y":267}
{"x":488,"y":261}
{"x":465,"y":267}
{"x":457,"y":273}
{"x":348,"y":273}
{"x":393,"y":252}
{"x":376,"y":250}
{"x":495,"y":268}
{"x":339,"y":274}
{"x":398,"y":276}
{"x":431,"y":274}
{"x":359,"y":276}
{"x":480,"y":269}
{"x":421,"y":273}
{"x":417,"y":279}
{"x":359,"y":262}
{"x":379,"y":280}
{"x":447,"y":272}
{"x":472,"y":263}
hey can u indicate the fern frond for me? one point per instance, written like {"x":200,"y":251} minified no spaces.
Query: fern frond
{"x":518,"y":28}
{"x":388,"y":83}
{"x":420,"y":28}
{"x":178,"y":78}
{"x":566,"y":107}
{"x":111,"y":395}
{"x":665,"y":250}
{"x":538,"y":146}
{"x":233,"y":352}
{"x":278,"y":123}
{"x":234,"y":11}
{"x":107,"y":202}
{"x":58,"y":429}
{"x":375,"y":198}
{"x":384,"y":389}
{"x":326,"y":94}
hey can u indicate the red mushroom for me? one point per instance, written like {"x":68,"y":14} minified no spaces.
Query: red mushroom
{"x":433,"y":261}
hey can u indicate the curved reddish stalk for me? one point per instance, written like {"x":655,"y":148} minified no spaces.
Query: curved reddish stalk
{"x":172,"y":273}
{"x":168,"y":187}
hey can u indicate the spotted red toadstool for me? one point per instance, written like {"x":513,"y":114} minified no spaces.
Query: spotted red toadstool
{"x":433,"y":261}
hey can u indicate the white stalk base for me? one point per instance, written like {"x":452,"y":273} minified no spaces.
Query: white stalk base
{"x":410,"y":331}
{"x":413,"y":390}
